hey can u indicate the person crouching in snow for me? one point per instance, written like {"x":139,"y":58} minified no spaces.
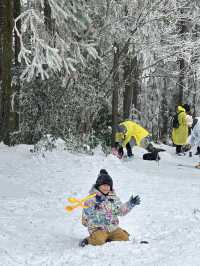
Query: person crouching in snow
{"x":101,"y":214}
{"x":129,"y":134}
{"x":194,"y":139}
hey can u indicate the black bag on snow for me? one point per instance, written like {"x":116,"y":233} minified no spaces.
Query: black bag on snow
{"x":151,"y":156}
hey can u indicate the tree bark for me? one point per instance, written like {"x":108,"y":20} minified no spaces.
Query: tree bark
{"x":128,"y":92}
{"x":164,"y":116}
{"x":1,"y":38}
{"x":115,"y":93}
{"x":131,"y":76}
{"x":181,"y":79}
{"x":182,"y":30}
{"x":16,"y":86}
{"x":16,"y":13}
{"x":7,"y":116}
{"x":47,"y":17}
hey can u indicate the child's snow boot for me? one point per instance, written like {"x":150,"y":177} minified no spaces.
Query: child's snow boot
{"x":131,"y":157}
{"x":83,"y":242}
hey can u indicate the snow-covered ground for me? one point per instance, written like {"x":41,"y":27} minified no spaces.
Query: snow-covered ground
{"x":35,"y":229}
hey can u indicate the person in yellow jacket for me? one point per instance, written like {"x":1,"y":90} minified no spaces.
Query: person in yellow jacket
{"x":128,"y":134}
{"x":180,"y":134}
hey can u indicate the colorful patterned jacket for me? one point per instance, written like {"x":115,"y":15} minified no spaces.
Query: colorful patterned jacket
{"x":103,"y":211}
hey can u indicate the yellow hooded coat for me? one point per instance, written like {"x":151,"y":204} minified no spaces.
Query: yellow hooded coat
{"x":180,"y":134}
{"x":133,"y":130}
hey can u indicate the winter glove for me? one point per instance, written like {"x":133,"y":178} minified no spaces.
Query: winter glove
{"x":116,"y":153}
{"x":134,"y":200}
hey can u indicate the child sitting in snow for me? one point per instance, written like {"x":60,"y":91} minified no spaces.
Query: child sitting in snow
{"x":101,"y":216}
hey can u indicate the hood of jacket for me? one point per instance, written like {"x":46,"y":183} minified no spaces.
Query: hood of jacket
{"x":180,"y":109}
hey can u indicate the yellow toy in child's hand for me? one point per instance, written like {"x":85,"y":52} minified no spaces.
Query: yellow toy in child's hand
{"x":78,"y":203}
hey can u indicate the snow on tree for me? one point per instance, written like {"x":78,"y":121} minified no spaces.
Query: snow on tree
{"x":79,"y":56}
{"x":60,"y":50}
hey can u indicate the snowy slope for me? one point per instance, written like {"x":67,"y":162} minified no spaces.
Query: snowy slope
{"x":36,"y":230}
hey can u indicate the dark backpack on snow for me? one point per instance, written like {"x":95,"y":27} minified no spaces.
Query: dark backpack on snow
{"x":175,"y":122}
{"x":151,"y":156}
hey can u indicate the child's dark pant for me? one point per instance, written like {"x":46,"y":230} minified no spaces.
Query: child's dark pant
{"x":128,"y":148}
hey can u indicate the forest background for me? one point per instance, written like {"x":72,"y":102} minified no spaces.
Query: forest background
{"x":74,"y":69}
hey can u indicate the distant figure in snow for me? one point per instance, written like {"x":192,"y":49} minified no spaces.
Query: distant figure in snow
{"x":180,"y":134}
{"x":101,"y":214}
{"x":194,"y":138}
{"x":198,"y":151}
{"x":189,"y":119}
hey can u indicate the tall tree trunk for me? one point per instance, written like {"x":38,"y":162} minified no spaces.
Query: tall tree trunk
{"x":1,"y":38}
{"x":136,"y":87}
{"x":47,"y":17}
{"x":131,"y":76}
{"x":16,"y":13}
{"x":182,"y":30}
{"x":17,"y":46}
{"x":181,"y":80}
{"x":7,"y":116}
{"x":128,"y":92}
{"x":164,"y":116}
{"x":115,"y":94}
{"x":195,"y":94}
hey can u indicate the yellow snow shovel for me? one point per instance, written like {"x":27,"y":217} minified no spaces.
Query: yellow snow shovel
{"x":78,"y":203}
